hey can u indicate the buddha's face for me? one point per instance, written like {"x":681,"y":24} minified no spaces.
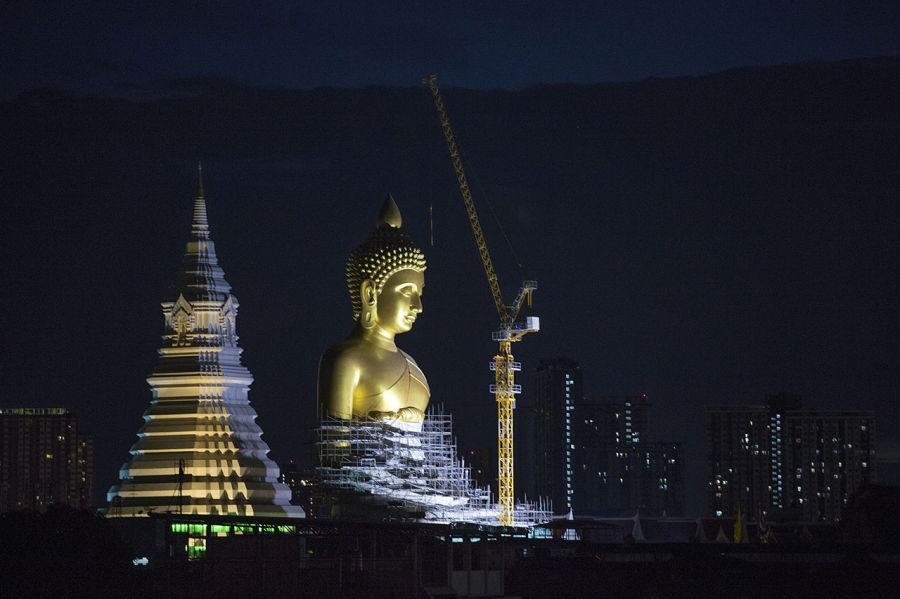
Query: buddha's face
{"x":400,"y":301}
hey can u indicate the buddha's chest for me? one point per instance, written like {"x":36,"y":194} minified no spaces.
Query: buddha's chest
{"x":390,"y":383}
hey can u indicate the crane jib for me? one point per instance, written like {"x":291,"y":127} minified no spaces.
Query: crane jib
{"x":504,"y":366}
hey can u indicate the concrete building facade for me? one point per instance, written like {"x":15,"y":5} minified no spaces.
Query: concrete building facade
{"x":778,"y":460}
{"x":619,"y":469}
{"x":738,"y":460}
{"x":557,"y":389}
{"x":44,"y":459}
{"x":828,"y":456}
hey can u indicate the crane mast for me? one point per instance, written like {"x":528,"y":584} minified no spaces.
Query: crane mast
{"x":504,"y":366}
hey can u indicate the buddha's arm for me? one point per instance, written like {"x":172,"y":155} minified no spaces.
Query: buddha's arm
{"x":338,"y":377}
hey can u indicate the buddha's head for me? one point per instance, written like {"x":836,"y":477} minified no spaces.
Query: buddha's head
{"x":386,"y":276}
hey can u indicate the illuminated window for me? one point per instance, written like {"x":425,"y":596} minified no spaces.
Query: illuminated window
{"x":196,"y":548}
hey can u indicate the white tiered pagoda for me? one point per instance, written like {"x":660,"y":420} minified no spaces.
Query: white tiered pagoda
{"x":200,"y":450}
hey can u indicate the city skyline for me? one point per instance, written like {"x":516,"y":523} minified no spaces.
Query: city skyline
{"x":712,"y":230}
{"x":693,"y":305}
{"x":45,"y":459}
{"x":696,"y":206}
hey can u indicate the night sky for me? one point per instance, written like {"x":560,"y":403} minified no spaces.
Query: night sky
{"x":117,"y":47}
{"x":699,"y":236}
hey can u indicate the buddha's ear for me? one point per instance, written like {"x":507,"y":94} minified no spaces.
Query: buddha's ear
{"x":369,"y":302}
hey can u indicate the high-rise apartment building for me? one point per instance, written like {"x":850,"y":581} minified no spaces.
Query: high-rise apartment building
{"x":619,"y":469}
{"x":739,"y":469}
{"x":525,"y":447}
{"x":44,"y":459}
{"x":781,"y":459}
{"x":596,"y":457}
{"x":662,"y":465}
{"x":557,"y":389}
{"x":828,"y":456}
{"x":483,"y":461}
{"x":619,"y":421}
{"x":302,"y":481}
{"x":778,"y":406}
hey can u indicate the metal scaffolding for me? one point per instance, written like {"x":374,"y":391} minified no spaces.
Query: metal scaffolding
{"x":415,"y":466}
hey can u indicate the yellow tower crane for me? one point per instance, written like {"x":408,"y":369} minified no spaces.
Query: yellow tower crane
{"x":504,"y":388}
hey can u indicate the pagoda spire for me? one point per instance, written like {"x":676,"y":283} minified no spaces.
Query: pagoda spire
{"x":200,"y":450}
{"x":200,"y":225}
{"x":200,"y":276}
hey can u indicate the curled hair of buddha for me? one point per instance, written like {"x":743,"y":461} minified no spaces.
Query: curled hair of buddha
{"x":388,"y":250}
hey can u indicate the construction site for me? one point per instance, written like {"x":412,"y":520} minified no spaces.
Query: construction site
{"x":417,"y":474}
{"x":414,"y":472}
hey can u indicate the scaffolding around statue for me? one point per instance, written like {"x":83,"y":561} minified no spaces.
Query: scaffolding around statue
{"x":413,"y":467}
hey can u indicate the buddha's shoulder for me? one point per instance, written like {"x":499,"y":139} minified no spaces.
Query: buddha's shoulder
{"x":348,"y":352}
{"x":408,"y":357}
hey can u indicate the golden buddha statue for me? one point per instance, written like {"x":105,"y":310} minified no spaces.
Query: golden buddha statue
{"x":366,"y":376}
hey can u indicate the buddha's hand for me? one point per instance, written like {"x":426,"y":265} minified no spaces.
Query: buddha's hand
{"x":383,"y":416}
{"x":410,"y":414}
